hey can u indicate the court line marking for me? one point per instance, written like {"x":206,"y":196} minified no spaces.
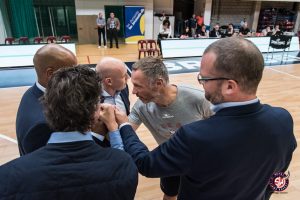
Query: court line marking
{"x":276,"y":70}
{"x":8,"y":138}
{"x":294,"y":57}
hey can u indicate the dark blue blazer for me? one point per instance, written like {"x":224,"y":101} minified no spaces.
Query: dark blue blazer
{"x":231,"y":155}
{"x":32,"y":129}
{"x":74,"y":170}
{"x":125,"y":97}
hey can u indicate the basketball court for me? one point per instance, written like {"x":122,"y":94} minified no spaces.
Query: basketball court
{"x":280,"y":86}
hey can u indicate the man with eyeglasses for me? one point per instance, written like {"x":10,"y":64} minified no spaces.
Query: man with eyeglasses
{"x":233,"y":154}
{"x":163,"y":108}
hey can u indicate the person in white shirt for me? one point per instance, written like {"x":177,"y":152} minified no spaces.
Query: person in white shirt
{"x":165,"y":31}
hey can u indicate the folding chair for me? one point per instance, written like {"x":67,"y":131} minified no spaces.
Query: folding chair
{"x":51,"y":39}
{"x":23,"y":40}
{"x":65,"y":38}
{"x":280,"y":42}
{"x":152,"y":47}
{"x":142,"y":47}
{"x":9,"y":40}
{"x":38,"y":40}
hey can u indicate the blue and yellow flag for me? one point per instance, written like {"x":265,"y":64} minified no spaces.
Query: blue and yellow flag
{"x":134,"y":23}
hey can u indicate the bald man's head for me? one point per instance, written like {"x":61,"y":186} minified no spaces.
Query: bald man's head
{"x":50,"y":58}
{"x":113,"y":73}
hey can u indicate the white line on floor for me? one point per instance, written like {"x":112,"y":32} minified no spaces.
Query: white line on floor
{"x":8,"y":138}
{"x":291,"y":75}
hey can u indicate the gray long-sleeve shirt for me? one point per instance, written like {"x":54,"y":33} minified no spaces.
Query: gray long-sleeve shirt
{"x":101,"y":22}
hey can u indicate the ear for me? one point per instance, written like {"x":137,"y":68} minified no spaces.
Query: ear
{"x":159,"y":82}
{"x":108,"y":81}
{"x":49,"y":72}
{"x":231,"y":87}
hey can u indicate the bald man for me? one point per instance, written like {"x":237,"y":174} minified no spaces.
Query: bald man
{"x":114,"y":80}
{"x":32,"y":129}
{"x":113,"y":73}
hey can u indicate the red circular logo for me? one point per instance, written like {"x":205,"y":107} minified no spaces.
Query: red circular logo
{"x":279,"y":181}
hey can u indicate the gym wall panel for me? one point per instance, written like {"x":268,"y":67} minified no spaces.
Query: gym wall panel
{"x":93,"y":7}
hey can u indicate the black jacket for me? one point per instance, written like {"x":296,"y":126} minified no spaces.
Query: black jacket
{"x":74,"y":170}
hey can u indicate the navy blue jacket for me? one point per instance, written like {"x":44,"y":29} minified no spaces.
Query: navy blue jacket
{"x":74,"y":170}
{"x":32,"y":129}
{"x":125,"y":97}
{"x":231,"y":155}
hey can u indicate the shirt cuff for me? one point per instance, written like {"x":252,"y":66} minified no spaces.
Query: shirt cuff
{"x":124,"y":124}
{"x":116,"y":140}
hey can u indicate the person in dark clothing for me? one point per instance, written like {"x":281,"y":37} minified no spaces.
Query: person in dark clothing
{"x":113,"y":27}
{"x":201,"y":33}
{"x":229,"y":31}
{"x":71,"y":165}
{"x":244,"y":30}
{"x":186,"y":33}
{"x":32,"y":129}
{"x":193,"y":25}
{"x":277,"y":31}
{"x":241,"y":146}
{"x":216,"y":31}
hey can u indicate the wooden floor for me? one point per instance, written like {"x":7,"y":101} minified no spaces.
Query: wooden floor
{"x":280,"y":86}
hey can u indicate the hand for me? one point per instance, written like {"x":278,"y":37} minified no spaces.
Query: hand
{"x":107,"y":115}
{"x":121,"y":117}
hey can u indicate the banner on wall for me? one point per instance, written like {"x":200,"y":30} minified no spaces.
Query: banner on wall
{"x":134,"y":23}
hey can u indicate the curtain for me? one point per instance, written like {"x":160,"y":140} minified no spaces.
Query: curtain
{"x":3,"y":34}
{"x":22,"y":18}
{"x":4,"y":22}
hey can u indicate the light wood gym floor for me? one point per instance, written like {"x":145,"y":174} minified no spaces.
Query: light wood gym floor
{"x":280,"y":86}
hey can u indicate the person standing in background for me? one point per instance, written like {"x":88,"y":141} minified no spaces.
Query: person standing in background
{"x":193,"y":25}
{"x":101,"y":30}
{"x":113,"y":26}
{"x":200,"y":20}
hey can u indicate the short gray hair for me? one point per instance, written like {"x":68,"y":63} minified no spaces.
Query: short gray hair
{"x":153,"y":69}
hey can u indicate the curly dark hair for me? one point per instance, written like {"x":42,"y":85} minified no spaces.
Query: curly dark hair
{"x":71,"y":99}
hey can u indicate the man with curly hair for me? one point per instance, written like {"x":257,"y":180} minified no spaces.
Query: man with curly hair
{"x":71,"y":165}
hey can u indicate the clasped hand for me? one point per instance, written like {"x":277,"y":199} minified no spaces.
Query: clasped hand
{"x":111,"y":116}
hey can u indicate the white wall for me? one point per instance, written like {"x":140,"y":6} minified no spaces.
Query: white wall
{"x":93,"y":7}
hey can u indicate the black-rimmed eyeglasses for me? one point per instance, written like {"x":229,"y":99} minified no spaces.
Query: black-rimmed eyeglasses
{"x":203,"y":80}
